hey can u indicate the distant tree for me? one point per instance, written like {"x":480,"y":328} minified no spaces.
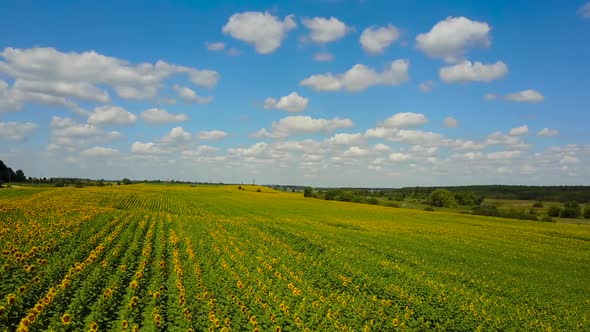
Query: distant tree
{"x":553,"y":211}
{"x":126,"y":181}
{"x":308,"y":192}
{"x":538,"y":204}
{"x":441,"y":198}
{"x":373,"y":201}
{"x":239,"y":187}
{"x":20,"y":176}
{"x":587,"y":212}
{"x":258,"y":190}
{"x":118,"y":183}
{"x":571,"y":210}
{"x":100,"y":183}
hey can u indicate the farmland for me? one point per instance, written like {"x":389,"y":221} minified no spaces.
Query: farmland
{"x":180,"y":258}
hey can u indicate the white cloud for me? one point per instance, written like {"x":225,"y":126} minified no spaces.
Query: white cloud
{"x":375,"y":40}
{"x":546,"y":132}
{"x":450,"y":122}
{"x":405,"y":136}
{"x":451,"y":38}
{"x":293,"y":125}
{"x":233,"y":52}
{"x":177,"y":135}
{"x":325,"y":30}
{"x":490,"y":96}
{"x":263,"y":30}
{"x":199,"y":151}
{"x":190,"y":96}
{"x":215,"y":46}
{"x":161,"y":116}
{"x":212,"y":135}
{"x":323,"y":56}
{"x":584,"y":11}
{"x":346,"y":139}
{"x":16,"y":131}
{"x":525,"y":96}
{"x":405,"y":120}
{"x":77,"y":90}
{"x":568,"y":160}
{"x":359,"y":77}
{"x":355,"y":151}
{"x":467,"y":71}
{"x":8,"y":101}
{"x":47,"y":72}
{"x":67,"y":134}
{"x":148,"y":148}
{"x":426,"y":86}
{"x":504,"y":155}
{"x":99,"y":151}
{"x":292,"y":102}
{"x":519,"y":131}
{"x":398,"y":156}
{"x":111,"y":115}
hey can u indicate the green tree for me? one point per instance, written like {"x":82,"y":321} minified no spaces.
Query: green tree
{"x":441,"y":198}
{"x":553,"y":211}
{"x":308,"y":192}
{"x":126,"y":181}
{"x":587,"y":212}
{"x":571,"y":210}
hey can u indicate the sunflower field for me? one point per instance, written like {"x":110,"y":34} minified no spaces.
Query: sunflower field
{"x":180,"y":258}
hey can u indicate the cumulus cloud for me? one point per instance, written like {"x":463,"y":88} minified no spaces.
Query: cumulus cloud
{"x":490,"y":96}
{"x":8,"y":101}
{"x":450,"y":122}
{"x":405,"y":120}
{"x":325,"y":30}
{"x":293,"y":125}
{"x":451,"y":38}
{"x":546,"y":132}
{"x":584,"y":11}
{"x":504,"y":155}
{"x":568,"y":160}
{"x":519,"y":131}
{"x":161,"y":116}
{"x":375,"y":40}
{"x":215,"y":47}
{"x":45,"y":73}
{"x":426,"y":86}
{"x":70,"y":135}
{"x":346,"y":139}
{"x":99,"y":151}
{"x":467,"y":71}
{"x":323,"y":56}
{"x":265,"y":31}
{"x":212,"y":135}
{"x":148,"y":148}
{"x":398,"y":156}
{"x":16,"y":131}
{"x":404,"y":135}
{"x":292,"y":102}
{"x":177,"y":135}
{"x":359,"y":77}
{"x":525,"y":96}
{"x":190,"y":96}
{"x":200,"y":151}
{"x":111,"y":115}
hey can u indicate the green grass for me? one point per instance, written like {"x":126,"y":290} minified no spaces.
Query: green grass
{"x":357,"y":266}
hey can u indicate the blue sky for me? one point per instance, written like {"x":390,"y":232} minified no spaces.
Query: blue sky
{"x":351,"y":93}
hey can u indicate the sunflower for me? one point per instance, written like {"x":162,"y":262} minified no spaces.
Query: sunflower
{"x":134,"y":284}
{"x":66,"y":319}
{"x":10,"y":299}
{"x":278,"y":329}
{"x":395,"y":322}
{"x":2,"y":310}
{"x":93,"y":326}
{"x":125,"y":324}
